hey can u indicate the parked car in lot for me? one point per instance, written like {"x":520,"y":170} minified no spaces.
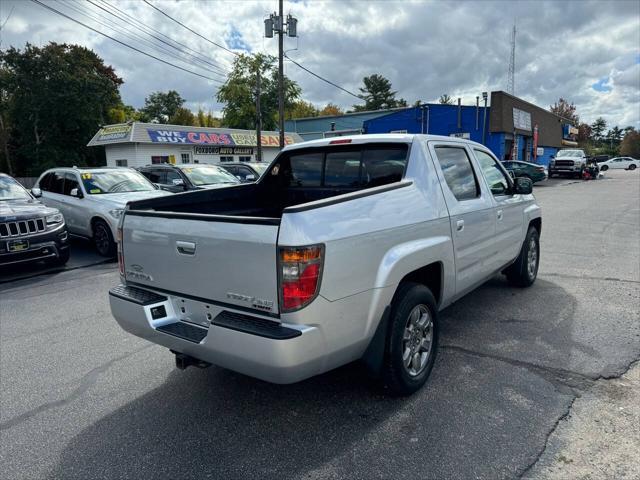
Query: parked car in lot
{"x":189,"y":176}
{"x":29,"y":230}
{"x":319,"y":263}
{"x":532,"y":171}
{"x":568,"y":162}
{"x":246,"y":171}
{"x":625,"y":163}
{"x":92,"y":199}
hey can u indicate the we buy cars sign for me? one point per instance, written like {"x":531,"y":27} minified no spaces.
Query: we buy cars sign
{"x":207,"y":138}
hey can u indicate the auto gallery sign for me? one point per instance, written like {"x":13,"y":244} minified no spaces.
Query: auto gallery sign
{"x":218,"y":139}
{"x":210,"y":150}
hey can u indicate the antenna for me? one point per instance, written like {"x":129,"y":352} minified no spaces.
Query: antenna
{"x":511,"y":76}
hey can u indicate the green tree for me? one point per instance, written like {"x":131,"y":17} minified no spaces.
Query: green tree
{"x":183,"y":116}
{"x":630,"y":145}
{"x":565,"y":109}
{"x":207,"y":119}
{"x":445,"y":100}
{"x":331,"y":109}
{"x":161,"y":106}
{"x":122,"y":113}
{"x":55,"y":98}
{"x":377,"y":94}
{"x":239,"y":92}
{"x":597,"y":128}
{"x":301,"y":109}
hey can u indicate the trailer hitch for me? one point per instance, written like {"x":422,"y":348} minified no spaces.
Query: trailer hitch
{"x":183,"y":361}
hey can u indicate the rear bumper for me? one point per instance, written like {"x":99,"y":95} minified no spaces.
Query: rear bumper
{"x":246,"y":343}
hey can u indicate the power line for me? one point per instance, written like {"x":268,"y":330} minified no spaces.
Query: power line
{"x":322,"y":78}
{"x":127,"y":33}
{"x":123,"y":43}
{"x":140,"y":25}
{"x":192,"y":31}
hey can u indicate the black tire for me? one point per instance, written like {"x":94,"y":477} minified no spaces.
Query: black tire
{"x":550,"y":174}
{"x":103,"y":239}
{"x":523,"y":272}
{"x":395,"y":374}
{"x":632,"y":166}
{"x":61,"y":259}
{"x":604,"y":168}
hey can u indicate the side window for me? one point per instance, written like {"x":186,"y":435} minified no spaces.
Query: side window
{"x":498,"y":181}
{"x":155,"y":175}
{"x":57,"y":183}
{"x":342,"y":169}
{"x":458,"y":172}
{"x":70,"y":182}
{"x":171,"y":176}
{"x":45,"y":183}
{"x":244,"y":172}
{"x":306,"y":170}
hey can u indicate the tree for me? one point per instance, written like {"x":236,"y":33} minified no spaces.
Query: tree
{"x":565,"y":109}
{"x":445,"y":100}
{"x":584,"y":132}
{"x":597,"y":128}
{"x":183,"y":116}
{"x":122,"y":113}
{"x":160,"y":107}
{"x":377,"y":94}
{"x":331,"y":110}
{"x":55,"y":98}
{"x":301,"y":109}
{"x":207,"y":119}
{"x":630,"y":145}
{"x":239,"y":92}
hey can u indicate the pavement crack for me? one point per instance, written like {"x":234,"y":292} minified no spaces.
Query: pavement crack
{"x":86,"y":382}
{"x":588,"y":277}
{"x":557,"y":376}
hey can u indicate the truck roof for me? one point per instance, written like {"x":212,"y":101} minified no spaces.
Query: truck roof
{"x":375,"y":138}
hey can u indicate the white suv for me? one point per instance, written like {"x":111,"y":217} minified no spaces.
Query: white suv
{"x":92,"y":199}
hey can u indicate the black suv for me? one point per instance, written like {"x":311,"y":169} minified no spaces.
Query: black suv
{"x":246,"y":172}
{"x":187,"y":176}
{"x":29,"y":230}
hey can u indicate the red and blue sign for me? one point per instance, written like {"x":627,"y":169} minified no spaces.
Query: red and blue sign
{"x":191,"y":138}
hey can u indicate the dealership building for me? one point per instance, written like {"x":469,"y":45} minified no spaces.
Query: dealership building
{"x":512,"y":128}
{"x":136,"y":144}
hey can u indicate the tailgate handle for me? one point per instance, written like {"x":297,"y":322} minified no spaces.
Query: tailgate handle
{"x":186,"y":248}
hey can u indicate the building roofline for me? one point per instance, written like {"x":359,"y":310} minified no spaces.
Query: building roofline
{"x":534,"y":106}
{"x":348,"y":114}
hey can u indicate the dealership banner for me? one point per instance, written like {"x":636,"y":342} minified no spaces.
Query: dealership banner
{"x":113,"y":132}
{"x":218,"y":139}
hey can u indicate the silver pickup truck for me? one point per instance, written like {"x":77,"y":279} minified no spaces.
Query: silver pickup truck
{"x":345,"y":249}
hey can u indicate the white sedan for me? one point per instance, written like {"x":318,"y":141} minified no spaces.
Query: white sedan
{"x":626,"y":163}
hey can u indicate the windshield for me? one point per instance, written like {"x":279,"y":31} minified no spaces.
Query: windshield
{"x":115,"y":181}
{"x":208,"y":175}
{"x":12,"y":190}
{"x":260,"y":167}
{"x":569,"y":153}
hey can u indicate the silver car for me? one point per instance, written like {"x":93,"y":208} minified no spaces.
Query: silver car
{"x":92,"y":199}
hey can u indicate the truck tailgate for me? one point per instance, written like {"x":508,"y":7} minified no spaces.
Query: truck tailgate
{"x":200,"y":256}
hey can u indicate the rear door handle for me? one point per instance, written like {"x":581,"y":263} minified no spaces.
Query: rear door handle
{"x":459,"y":225}
{"x":186,"y":248}
{"x":499,"y":214}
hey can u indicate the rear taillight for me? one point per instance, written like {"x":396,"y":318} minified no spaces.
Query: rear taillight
{"x":300,"y":275}
{"x":120,"y":257}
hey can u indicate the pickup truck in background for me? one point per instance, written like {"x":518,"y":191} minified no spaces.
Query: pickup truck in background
{"x":568,"y":162}
{"x":345,"y":249}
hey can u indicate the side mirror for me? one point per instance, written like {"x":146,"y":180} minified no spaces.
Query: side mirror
{"x":523,"y":185}
{"x":36,"y":192}
{"x":250,"y":178}
{"x":76,"y":193}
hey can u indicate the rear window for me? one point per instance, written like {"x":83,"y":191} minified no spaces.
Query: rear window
{"x":344,"y":167}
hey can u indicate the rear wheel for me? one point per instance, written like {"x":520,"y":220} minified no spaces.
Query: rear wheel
{"x":604,"y":168}
{"x":632,"y":166}
{"x":103,"y":239}
{"x":524,"y":271}
{"x":412,"y":340}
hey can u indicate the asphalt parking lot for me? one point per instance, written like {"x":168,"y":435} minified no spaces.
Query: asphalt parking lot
{"x":80,"y":398}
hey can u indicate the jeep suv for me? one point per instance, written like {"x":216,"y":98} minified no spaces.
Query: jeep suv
{"x":29,"y":231}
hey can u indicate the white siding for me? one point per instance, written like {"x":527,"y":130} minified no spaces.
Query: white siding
{"x":139,"y":154}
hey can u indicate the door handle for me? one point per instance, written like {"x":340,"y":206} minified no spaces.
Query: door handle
{"x":459,"y":225}
{"x":499,"y":214}
{"x":186,"y":248}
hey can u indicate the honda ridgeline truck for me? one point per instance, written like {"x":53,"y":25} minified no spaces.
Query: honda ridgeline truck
{"x":345,"y":249}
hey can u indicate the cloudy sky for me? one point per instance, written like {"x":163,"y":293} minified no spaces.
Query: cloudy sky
{"x":587,"y":52}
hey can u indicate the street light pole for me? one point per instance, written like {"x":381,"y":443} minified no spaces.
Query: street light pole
{"x":258,"y":117}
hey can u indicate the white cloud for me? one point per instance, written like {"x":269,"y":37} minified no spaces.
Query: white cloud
{"x":425,"y":48}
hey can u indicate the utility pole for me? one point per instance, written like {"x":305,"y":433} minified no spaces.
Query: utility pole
{"x":275,"y":23}
{"x":484,"y":117}
{"x":258,"y":117}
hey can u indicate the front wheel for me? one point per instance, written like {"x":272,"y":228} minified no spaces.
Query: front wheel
{"x":103,"y":239}
{"x":412,"y":341}
{"x":524,"y":271}
{"x":61,"y":259}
